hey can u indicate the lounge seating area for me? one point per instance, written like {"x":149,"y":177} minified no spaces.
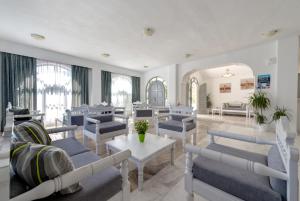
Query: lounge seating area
{"x":235,"y":108}
{"x":149,"y":100}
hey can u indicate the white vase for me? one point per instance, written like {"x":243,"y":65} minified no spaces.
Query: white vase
{"x":262,"y":127}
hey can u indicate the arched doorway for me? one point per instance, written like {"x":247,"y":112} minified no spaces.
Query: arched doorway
{"x":193,"y":93}
{"x":156,"y":92}
{"x":210,"y":82}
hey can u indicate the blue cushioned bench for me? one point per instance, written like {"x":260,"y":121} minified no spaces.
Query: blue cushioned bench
{"x":98,"y":184}
{"x":224,"y":173}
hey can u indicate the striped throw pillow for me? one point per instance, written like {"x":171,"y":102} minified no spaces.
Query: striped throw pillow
{"x":36,"y":163}
{"x":31,"y":131}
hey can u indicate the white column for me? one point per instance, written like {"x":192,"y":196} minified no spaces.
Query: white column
{"x":287,"y":75}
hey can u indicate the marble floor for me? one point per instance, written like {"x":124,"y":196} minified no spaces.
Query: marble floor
{"x":164,"y":182}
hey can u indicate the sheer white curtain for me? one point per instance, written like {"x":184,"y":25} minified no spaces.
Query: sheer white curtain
{"x":54,"y":89}
{"x":121,"y":91}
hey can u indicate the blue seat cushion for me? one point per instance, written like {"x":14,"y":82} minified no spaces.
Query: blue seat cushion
{"x":101,"y":186}
{"x":176,"y":125}
{"x":275,"y":162}
{"x":106,"y":127}
{"x":235,"y":181}
{"x":70,"y":145}
{"x":77,"y":120}
{"x":143,"y":113}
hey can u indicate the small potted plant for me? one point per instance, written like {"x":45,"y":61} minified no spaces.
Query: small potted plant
{"x":260,"y":102}
{"x":280,"y":112}
{"x":141,"y":128}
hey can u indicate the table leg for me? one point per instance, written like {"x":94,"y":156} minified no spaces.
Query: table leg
{"x":140,"y":176}
{"x":172,"y":154}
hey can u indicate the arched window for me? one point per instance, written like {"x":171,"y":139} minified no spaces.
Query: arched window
{"x":193,"y":93}
{"x":156,"y":92}
{"x":54,"y":89}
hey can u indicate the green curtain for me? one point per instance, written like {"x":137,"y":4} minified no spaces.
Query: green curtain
{"x":18,"y":82}
{"x":80,"y":85}
{"x":106,"y":86}
{"x":136,"y":84}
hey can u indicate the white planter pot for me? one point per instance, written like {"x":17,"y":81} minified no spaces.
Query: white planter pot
{"x":262,"y":127}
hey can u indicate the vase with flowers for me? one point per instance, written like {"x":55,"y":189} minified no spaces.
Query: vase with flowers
{"x":141,"y":128}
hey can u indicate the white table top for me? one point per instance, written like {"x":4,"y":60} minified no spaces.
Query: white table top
{"x":141,"y":151}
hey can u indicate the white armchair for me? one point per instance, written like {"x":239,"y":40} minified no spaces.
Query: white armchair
{"x":181,"y":123}
{"x":100,"y":124}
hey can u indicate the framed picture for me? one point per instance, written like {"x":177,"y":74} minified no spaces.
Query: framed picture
{"x":225,"y":88}
{"x":264,"y":81}
{"x":247,"y":83}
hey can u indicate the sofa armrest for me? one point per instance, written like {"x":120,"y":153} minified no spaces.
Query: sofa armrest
{"x":61,"y":129}
{"x":234,"y":161}
{"x":234,"y":136}
{"x":49,"y":187}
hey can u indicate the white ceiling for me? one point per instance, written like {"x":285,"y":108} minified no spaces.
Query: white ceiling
{"x":236,"y":69}
{"x":88,"y":28}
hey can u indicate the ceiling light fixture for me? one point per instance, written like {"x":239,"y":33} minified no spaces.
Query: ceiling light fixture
{"x":148,"y":31}
{"x":188,"y":55}
{"x":146,"y":66}
{"x":270,"y":33}
{"x":106,"y":55}
{"x":37,"y":36}
{"x":227,"y":74}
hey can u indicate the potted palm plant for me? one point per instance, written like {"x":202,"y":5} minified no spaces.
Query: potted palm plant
{"x":260,"y":102}
{"x":141,"y":128}
{"x":280,"y":112}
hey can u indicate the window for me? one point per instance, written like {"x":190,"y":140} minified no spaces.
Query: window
{"x":193,"y":93}
{"x":156,"y":92}
{"x":121,"y":91}
{"x":54,"y":89}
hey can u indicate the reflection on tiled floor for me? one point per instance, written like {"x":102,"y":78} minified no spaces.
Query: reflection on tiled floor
{"x":164,"y":182}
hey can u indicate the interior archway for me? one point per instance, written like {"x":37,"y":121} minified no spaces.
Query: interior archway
{"x":229,"y":83}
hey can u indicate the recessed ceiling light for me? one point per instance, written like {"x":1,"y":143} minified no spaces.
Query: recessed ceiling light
{"x":37,"y":36}
{"x":146,"y":66}
{"x":270,"y":33}
{"x":106,"y":55}
{"x":188,"y":55}
{"x":148,"y":31}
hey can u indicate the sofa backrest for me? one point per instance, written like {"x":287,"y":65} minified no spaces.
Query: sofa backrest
{"x":182,"y":110}
{"x":144,"y":113}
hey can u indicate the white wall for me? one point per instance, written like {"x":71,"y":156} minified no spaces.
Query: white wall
{"x":255,"y":57}
{"x":213,"y":83}
{"x":236,"y":95}
{"x":283,"y":90}
{"x":287,"y":77}
{"x":16,"y":48}
{"x":169,"y":74}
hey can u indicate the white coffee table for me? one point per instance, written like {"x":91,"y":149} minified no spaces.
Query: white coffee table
{"x":141,"y":153}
